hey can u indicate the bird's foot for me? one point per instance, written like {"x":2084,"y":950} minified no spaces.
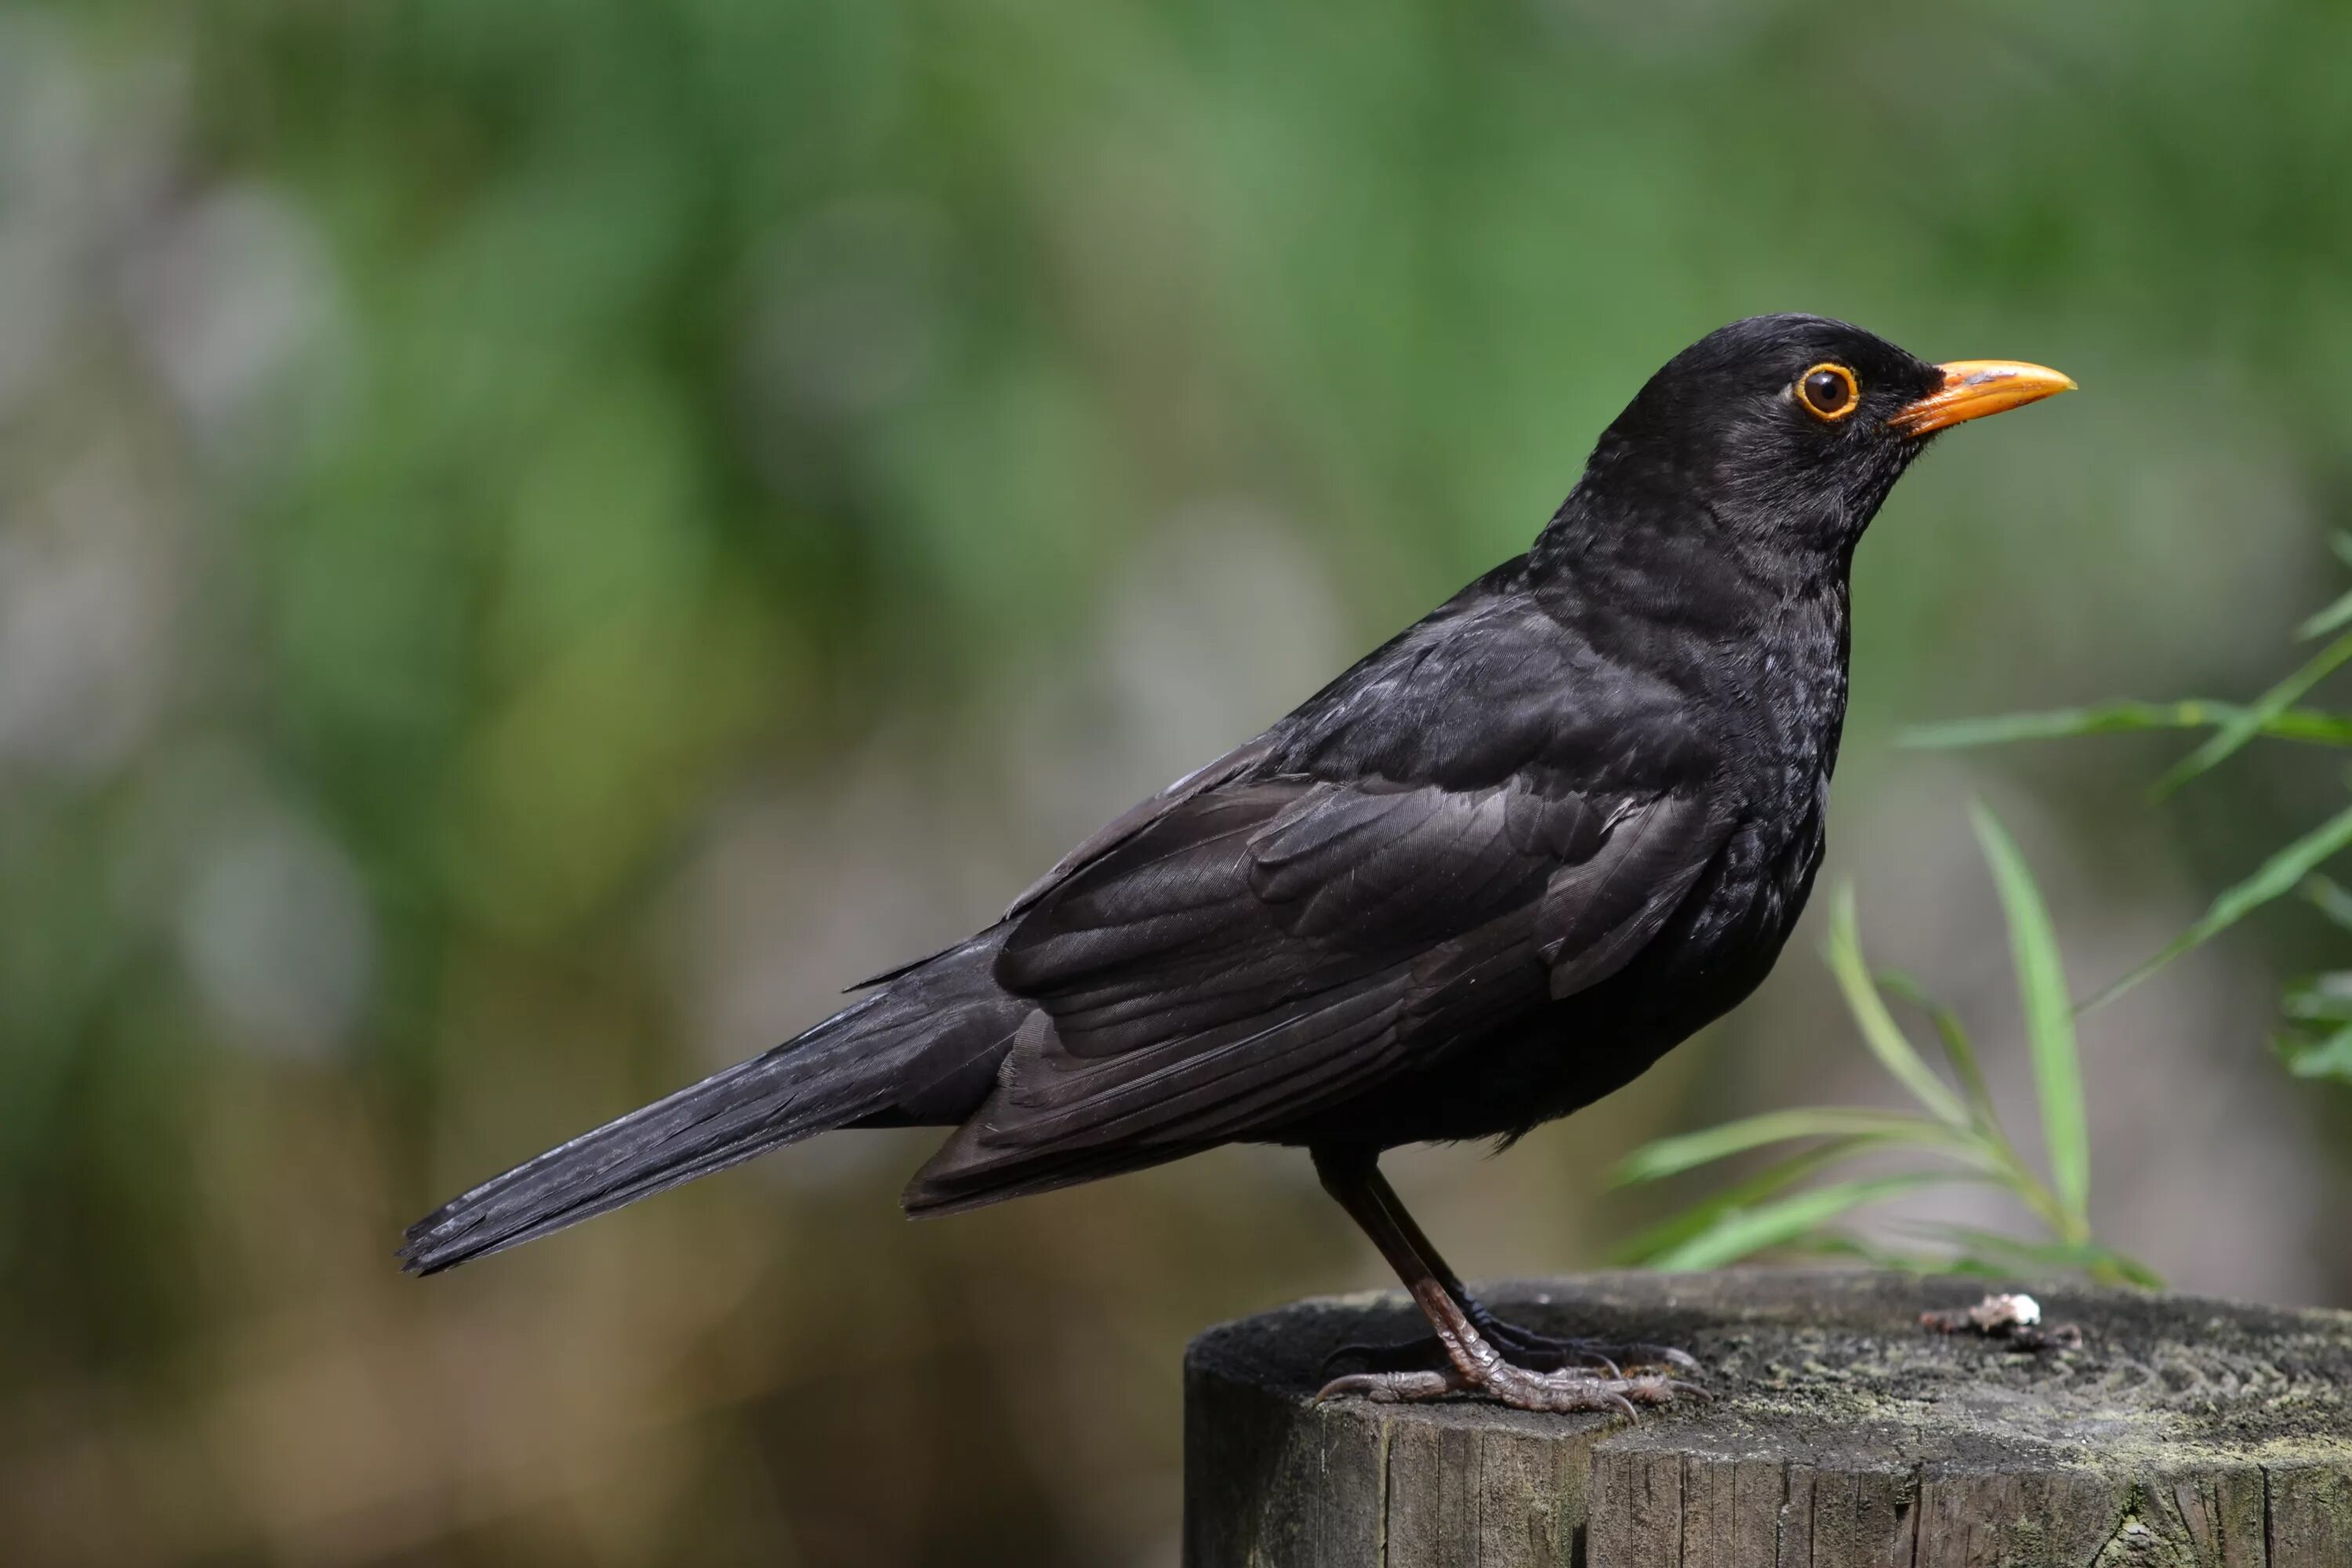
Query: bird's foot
{"x":1557,"y":1393}
{"x":1523,"y":1348}
{"x":1550,"y":1353}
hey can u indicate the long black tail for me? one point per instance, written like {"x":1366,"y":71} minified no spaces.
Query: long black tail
{"x":922,"y":1050}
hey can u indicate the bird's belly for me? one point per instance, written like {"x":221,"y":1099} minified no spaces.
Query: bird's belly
{"x":1710,"y":955}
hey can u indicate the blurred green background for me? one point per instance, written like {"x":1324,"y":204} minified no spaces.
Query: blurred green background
{"x":538,"y":541}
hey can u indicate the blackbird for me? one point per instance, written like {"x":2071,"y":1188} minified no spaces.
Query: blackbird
{"x":1486,"y":877}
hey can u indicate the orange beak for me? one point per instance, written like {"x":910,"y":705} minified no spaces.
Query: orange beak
{"x":1975,"y":387}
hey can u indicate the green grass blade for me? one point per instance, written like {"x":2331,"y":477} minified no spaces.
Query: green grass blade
{"x":1741,"y":1233}
{"x":1880,"y":1032}
{"x":2330,"y":620}
{"x":2227,"y":740}
{"x":1967,"y":1266}
{"x":2023,"y":1256}
{"x":2279,"y":875}
{"x":1655,"y":1241}
{"x":2065,"y":723}
{"x":2329,"y":897}
{"x":2049,"y":1020}
{"x":2311,"y":724}
{"x":2320,"y":998}
{"x":1670,"y":1156}
{"x":2015,"y":1254}
{"x":2132,"y":1271}
{"x":1833,"y":1244}
{"x":1957,"y":1052}
{"x":2327,"y":1058}
{"x":2341,"y":543}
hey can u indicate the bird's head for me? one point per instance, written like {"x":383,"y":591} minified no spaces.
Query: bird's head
{"x":1791,"y":429}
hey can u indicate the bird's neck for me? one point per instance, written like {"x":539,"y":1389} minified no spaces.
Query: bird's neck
{"x":1748,"y":626}
{"x":1652,"y":550}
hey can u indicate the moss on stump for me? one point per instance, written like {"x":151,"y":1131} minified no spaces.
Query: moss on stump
{"x":2183,"y":1433}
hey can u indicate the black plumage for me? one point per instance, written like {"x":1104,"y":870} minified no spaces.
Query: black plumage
{"x":1487,"y":875}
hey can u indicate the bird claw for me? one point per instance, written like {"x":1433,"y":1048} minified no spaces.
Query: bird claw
{"x":1562,"y":1392}
{"x":1527,"y":1348}
{"x":1402,"y":1356}
{"x":1521,"y":1347}
{"x":1392,"y":1387}
{"x":1668,"y":1356}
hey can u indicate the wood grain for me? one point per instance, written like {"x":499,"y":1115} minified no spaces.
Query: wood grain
{"x":2183,"y":1432}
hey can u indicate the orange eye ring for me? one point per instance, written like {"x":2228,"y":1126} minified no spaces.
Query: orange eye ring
{"x":1827,"y":392}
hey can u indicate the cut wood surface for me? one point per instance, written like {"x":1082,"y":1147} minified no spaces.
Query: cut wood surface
{"x":2181,"y":1432}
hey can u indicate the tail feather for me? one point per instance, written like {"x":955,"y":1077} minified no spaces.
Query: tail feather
{"x":883,"y":1051}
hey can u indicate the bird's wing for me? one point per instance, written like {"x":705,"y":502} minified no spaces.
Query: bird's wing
{"x":1140,"y":815}
{"x":1112,"y":834}
{"x":1259,"y":950}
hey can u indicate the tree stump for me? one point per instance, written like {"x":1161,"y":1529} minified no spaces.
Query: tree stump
{"x":2180,"y":1432}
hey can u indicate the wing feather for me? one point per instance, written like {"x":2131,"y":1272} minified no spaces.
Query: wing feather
{"x":1263,"y":950}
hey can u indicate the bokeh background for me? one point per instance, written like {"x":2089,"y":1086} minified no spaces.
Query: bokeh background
{"x":538,"y":541}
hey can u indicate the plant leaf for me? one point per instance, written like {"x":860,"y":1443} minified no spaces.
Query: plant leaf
{"x":2329,"y":897}
{"x":2326,"y":620}
{"x":2279,"y":875}
{"x":2320,"y":998}
{"x":1880,"y":1032}
{"x":2127,"y":718}
{"x":2313,"y":724}
{"x":1955,"y":1038}
{"x":2232,"y":735}
{"x":1669,"y":1156}
{"x":2024,"y":1256}
{"x":1656,"y":1240}
{"x":1741,"y":1232}
{"x":2049,"y":1020}
{"x":1836,"y":1243}
{"x":1968,"y":1266}
{"x":2329,"y":1058}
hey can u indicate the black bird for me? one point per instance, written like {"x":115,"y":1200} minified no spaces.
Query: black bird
{"x":1483,"y":879}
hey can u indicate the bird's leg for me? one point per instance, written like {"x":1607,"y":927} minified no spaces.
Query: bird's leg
{"x":1472,"y":1364}
{"x":1524,"y":1347}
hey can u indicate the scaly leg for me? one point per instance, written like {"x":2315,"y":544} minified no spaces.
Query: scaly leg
{"x":1522,"y":1347}
{"x":1472,"y":1364}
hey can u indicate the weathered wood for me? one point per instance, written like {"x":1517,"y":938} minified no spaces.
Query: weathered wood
{"x":2182,"y":1433}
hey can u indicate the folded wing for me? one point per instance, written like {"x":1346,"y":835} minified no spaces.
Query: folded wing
{"x":1266,"y":949}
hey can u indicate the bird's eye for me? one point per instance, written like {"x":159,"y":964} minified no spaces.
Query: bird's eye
{"x":1827,"y":392}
